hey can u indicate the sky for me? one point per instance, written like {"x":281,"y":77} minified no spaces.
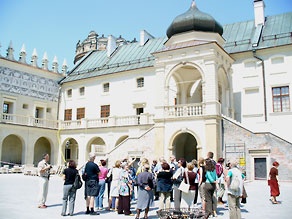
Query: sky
{"x":55,"y":26}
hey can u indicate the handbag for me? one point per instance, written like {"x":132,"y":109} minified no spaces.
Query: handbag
{"x":77,"y":182}
{"x":185,"y":187}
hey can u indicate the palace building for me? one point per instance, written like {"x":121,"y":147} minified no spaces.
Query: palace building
{"x":202,"y":87}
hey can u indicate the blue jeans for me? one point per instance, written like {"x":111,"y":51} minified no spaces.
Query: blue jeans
{"x":99,"y":198}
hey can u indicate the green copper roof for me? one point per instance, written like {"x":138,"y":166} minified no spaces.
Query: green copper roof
{"x":239,"y":37}
{"x":244,"y":36}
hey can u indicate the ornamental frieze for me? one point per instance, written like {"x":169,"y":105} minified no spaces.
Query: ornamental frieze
{"x":26,"y":84}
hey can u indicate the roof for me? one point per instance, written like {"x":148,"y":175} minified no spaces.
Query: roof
{"x":243,"y":36}
{"x":239,"y":37}
{"x":126,"y":57}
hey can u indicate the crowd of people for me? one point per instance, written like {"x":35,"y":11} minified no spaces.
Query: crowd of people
{"x":160,"y":180}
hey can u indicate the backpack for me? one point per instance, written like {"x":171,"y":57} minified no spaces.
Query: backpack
{"x":77,"y":182}
{"x":236,"y":181}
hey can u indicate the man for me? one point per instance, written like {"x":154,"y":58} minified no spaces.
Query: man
{"x":235,"y":186}
{"x":44,"y":175}
{"x":91,"y":184}
{"x":173,"y":163}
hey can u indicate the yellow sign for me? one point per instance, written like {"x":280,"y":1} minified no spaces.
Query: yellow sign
{"x":242,"y":161}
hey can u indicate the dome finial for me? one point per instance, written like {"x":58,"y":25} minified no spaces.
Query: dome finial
{"x":193,"y":4}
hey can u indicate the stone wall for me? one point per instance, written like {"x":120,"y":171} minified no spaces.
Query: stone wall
{"x":259,"y":145}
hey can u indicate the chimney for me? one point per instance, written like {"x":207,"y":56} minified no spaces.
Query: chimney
{"x":111,"y":45}
{"x":144,"y":37}
{"x":259,"y":15}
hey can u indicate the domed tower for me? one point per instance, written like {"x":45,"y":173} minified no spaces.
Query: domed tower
{"x":194,"y":20}
{"x":89,"y":44}
{"x":194,"y":74}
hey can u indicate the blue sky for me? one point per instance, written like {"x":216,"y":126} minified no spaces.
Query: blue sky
{"x":55,"y":26}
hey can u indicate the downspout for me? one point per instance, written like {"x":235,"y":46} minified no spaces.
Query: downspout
{"x":264,"y":82}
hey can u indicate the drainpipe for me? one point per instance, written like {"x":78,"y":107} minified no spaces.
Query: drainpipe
{"x":264,"y":83}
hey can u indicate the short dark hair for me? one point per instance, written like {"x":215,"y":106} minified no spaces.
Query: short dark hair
{"x":72,"y":164}
{"x":103,"y":162}
{"x":165,"y":166}
{"x":221,"y":160}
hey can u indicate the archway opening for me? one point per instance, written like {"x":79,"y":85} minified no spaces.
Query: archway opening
{"x":71,"y":150}
{"x":12,"y":150}
{"x":41,"y":147}
{"x":185,"y":146}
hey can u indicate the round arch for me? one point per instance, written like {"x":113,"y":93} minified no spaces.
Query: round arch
{"x":70,"y":150}
{"x":12,"y":147}
{"x":121,"y":139}
{"x":184,"y":84}
{"x":97,"y":145}
{"x":185,"y":144}
{"x":42,"y":146}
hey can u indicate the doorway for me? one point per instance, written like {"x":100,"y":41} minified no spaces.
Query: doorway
{"x":260,"y":168}
{"x":185,"y":146}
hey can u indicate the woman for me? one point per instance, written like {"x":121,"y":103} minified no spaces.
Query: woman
{"x":125,"y":191}
{"x":189,"y":176}
{"x":114,"y":189}
{"x":101,"y":184}
{"x":177,"y":178}
{"x":210,"y":187}
{"x":145,"y":191}
{"x":69,"y":175}
{"x":202,"y":181}
{"x":164,"y":186}
{"x":273,"y":182}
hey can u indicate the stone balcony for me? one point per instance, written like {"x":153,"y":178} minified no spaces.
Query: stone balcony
{"x":163,"y":112}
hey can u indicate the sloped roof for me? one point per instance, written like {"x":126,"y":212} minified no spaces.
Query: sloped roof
{"x":239,"y":37}
{"x":243,"y":36}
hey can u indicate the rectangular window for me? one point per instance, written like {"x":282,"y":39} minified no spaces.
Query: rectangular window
{"x":80,"y":113}
{"x":140,"y":82}
{"x":106,"y":87}
{"x":68,"y":114}
{"x":104,"y":111}
{"x":81,"y":91}
{"x":69,"y":93}
{"x":5,"y":108}
{"x":281,"y":99}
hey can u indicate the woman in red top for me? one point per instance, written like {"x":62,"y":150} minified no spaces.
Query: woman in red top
{"x":273,"y":182}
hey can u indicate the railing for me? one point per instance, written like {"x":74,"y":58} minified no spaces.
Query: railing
{"x":28,"y":120}
{"x":183,"y":110}
{"x":174,"y":111}
{"x":142,"y":119}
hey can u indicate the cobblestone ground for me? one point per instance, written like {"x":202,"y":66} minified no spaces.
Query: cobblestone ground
{"x":18,"y":195}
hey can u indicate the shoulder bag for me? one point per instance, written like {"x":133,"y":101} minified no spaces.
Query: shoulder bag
{"x":185,"y":187}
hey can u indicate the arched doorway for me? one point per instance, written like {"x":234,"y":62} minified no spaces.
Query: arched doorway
{"x":185,"y":146}
{"x":41,"y":147}
{"x":12,"y":150}
{"x":70,"y":151}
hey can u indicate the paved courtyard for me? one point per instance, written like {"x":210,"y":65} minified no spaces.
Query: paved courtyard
{"x":18,"y":195}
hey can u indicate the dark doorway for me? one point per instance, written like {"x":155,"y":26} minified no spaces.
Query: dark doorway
{"x":185,"y":146}
{"x":260,"y":168}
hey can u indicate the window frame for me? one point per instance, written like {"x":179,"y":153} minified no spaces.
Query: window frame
{"x":140,"y":82}
{"x":80,"y":113}
{"x":68,"y":115}
{"x":279,"y":99}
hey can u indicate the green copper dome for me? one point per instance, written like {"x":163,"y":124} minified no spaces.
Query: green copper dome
{"x":194,"y":19}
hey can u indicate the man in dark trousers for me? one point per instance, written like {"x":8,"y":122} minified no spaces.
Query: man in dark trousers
{"x":91,"y":183}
